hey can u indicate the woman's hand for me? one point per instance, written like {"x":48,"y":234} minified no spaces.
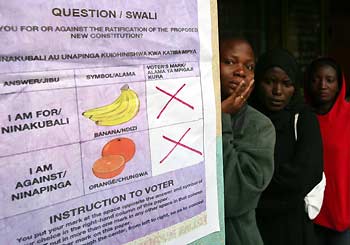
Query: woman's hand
{"x":238,"y":98}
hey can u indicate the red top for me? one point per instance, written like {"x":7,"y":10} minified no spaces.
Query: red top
{"x":335,"y":130}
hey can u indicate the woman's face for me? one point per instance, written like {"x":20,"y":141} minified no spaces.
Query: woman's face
{"x":237,"y":64}
{"x":324,"y":85}
{"x":275,"y":89}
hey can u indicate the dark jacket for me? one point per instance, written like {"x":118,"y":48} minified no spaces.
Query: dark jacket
{"x":248,"y":143}
{"x":281,"y":214}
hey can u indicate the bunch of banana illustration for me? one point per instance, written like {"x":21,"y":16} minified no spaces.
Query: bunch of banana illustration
{"x":122,"y":110}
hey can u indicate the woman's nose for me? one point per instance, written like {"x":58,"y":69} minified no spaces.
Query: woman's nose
{"x":239,"y":71}
{"x":276,"y":89}
{"x":323,"y":84}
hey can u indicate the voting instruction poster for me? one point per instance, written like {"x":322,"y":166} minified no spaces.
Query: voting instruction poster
{"x":107,"y":122}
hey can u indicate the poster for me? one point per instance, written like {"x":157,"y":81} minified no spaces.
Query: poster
{"x":107,"y":123}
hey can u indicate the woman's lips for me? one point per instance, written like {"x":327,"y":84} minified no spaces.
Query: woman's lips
{"x":324,"y":95}
{"x":276,"y":102}
{"x":234,"y":84}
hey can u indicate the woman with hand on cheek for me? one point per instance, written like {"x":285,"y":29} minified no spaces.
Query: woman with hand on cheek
{"x":248,"y":142}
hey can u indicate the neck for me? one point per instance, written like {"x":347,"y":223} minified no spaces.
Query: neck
{"x":324,"y":108}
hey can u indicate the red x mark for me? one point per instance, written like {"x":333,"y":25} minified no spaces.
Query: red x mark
{"x":173,"y":96}
{"x":180,"y":144}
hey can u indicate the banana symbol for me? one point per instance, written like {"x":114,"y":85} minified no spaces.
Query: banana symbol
{"x":121,"y":110}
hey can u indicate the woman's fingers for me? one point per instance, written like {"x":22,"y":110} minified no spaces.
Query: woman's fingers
{"x":245,"y":94}
{"x":238,"y":98}
{"x":243,"y":90}
{"x":240,"y":88}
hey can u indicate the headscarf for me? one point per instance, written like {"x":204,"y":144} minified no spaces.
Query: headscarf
{"x":283,"y":59}
{"x":312,"y":68}
{"x":335,"y":131}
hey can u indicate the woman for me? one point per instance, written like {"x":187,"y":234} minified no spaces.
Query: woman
{"x":248,"y":142}
{"x":281,"y":215}
{"x":325,"y":91}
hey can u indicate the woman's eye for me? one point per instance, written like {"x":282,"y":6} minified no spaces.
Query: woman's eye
{"x":250,"y":67}
{"x":330,"y":80}
{"x":230,"y":62}
{"x":288,"y":83}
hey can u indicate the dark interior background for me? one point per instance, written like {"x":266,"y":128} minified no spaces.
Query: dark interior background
{"x":307,"y":28}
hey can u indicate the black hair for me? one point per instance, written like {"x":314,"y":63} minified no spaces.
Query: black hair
{"x":223,"y":36}
{"x":316,"y":64}
{"x":285,"y":60}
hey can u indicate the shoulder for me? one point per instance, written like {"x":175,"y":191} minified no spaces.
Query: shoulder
{"x":257,"y":119}
{"x":306,"y":113}
{"x":307,"y":124}
{"x":258,"y":129}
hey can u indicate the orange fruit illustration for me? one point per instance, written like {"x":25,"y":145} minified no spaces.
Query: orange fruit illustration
{"x":120,"y":146}
{"x":108,"y":166}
